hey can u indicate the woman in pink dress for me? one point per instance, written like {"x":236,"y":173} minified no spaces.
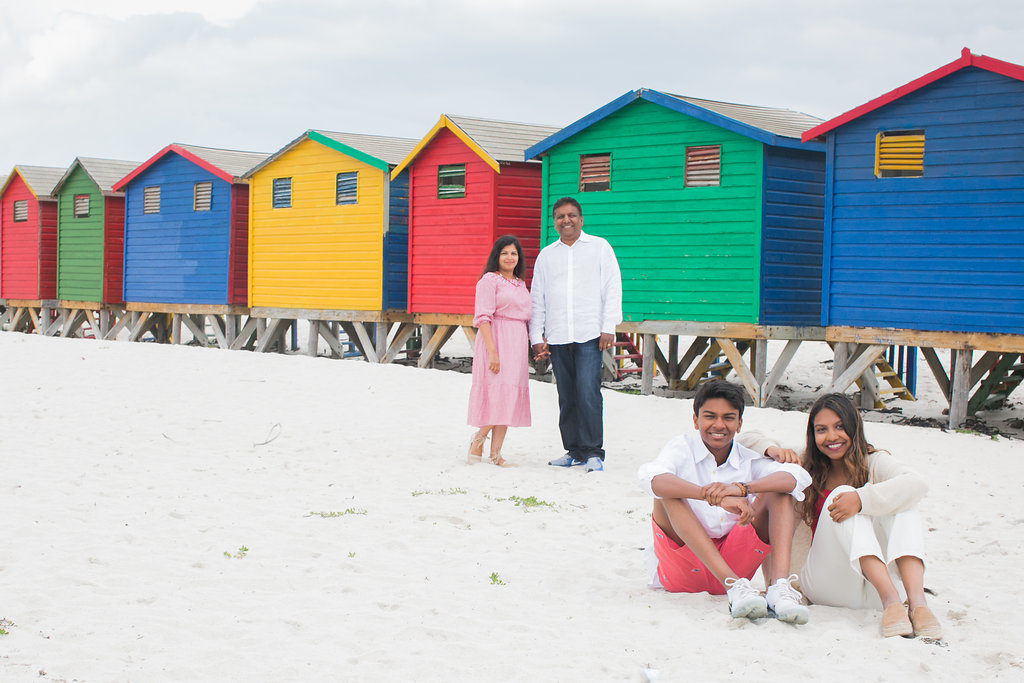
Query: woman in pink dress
{"x":500,"y":397}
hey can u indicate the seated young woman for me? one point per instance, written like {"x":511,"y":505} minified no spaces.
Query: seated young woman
{"x":868,"y":536}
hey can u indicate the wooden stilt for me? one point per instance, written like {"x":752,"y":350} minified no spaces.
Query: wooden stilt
{"x":313,"y":338}
{"x":864,"y":359}
{"x":960,"y":388}
{"x":693,"y":379}
{"x":442,"y":333}
{"x":402,"y":335}
{"x":779,"y":369}
{"x":735,"y":357}
{"x":647,"y":369}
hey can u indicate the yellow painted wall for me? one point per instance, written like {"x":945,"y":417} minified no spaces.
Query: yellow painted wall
{"x":316,"y":254}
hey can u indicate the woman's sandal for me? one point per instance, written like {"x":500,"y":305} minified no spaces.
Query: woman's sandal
{"x":474,"y":443}
{"x":499,"y":461}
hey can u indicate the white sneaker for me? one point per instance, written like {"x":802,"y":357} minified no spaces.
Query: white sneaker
{"x":786,"y":601}
{"x":744,"y":599}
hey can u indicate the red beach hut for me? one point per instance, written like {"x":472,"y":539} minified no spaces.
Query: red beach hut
{"x":468,"y":185}
{"x":28,"y":233}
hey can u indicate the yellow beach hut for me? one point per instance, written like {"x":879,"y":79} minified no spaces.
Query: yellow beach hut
{"x":328,"y":232}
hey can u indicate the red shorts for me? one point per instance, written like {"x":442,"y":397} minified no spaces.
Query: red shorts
{"x":680,"y":571}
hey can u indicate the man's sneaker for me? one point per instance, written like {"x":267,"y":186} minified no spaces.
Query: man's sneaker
{"x":565,"y":461}
{"x":786,"y":601}
{"x":744,"y":599}
{"x":594,"y":464}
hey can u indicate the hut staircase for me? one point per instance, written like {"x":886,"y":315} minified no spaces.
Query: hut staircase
{"x":887,"y":381}
{"x":1004,"y":375}
{"x":625,"y":350}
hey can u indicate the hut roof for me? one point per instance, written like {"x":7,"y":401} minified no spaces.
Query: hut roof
{"x":376,"y":150}
{"x":103,"y":172}
{"x":965,"y":60}
{"x":770,"y":125}
{"x":227,"y":164}
{"x":494,"y":141}
{"x":39,"y":179}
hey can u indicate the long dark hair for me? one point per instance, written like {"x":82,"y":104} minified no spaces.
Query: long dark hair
{"x":819,"y":465}
{"x":491,"y":266}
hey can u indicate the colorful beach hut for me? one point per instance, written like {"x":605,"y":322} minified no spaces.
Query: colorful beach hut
{"x":90,"y":230}
{"x":923,"y":215}
{"x":28,"y":234}
{"x":714,"y":210}
{"x":186,"y":231}
{"x":468,"y":185}
{"x":328,"y":234}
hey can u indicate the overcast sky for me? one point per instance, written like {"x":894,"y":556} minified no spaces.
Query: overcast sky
{"x":123,"y":78}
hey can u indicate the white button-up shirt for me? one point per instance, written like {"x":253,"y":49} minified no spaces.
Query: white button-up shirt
{"x":576,"y":290}
{"x":688,"y":458}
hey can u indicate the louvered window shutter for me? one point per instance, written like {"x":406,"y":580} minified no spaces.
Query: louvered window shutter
{"x":21,"y":210}
{"x":282,"y":193}
{"x":899,"y":154}
{"x":451,"y":181}
{"x":201,"y":196}
{"x":703,"y":166}
{"x":346,"y":188}
{"x":595,"y":172}
{"x":151,"y":199}
{"x":81,"y":206}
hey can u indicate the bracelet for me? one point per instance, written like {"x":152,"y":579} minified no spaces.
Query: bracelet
{"x":742,"y":488}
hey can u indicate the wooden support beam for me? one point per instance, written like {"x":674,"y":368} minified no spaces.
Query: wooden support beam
{"x":121,"y":323}
{"x":144,"y":322}
{"x":329,"y":332}
{"x":759,"y":360}
{"x":313,"y":338}
{"x":442,"y":333}
{"x":198,"y":332}
{"x":231,"y":328}
{"x":72,"y":321}
{"x":735,"y":357}
{"x":987,"y":361}
{"x":647,"y":367}
{"x":660,"y":362}
{"x":961,"y":388}
{"x":218,"y":324}
{"x":175,"y":328}
{"x":104,"y":324}
{"x":869,"y":389}
{"x":694,"y":350}
{"x":36,"y":318}
{"x":840,"y":359}
{"x":1011,"y":343}
{"x":470,"y":333}
{"x":380,"y":336}
{"x":402,"y":335}
{"x":15,"y":318}
{"x":270,"y":334}
{"x":781,"y":363}
{"x":693,"y":379}
{"x":369,"y":349}
{"x":353,"y":336}
{"x":856,"y":366}
{"x":672,"y":371}
{"x":939,"y":372}
{"x":57,"y":326}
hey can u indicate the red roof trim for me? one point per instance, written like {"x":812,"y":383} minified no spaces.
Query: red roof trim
{"x":966,"y":59}
{"x":177,"y":149}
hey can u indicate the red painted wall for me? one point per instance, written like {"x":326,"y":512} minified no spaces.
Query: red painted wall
{"x":449,"y":239}
{"x":113,"y":249}
{"x":238,"y":266}
{"x":28,"y":249}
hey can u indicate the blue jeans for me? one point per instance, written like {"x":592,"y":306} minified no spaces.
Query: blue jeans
{"x":577,"y":371}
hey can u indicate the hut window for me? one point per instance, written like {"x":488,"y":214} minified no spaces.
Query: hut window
{"x":345,"y":188}
{"x":451,"y":181}
{"x":703,"y":166}
{"x":595,"y":172}
{"x":202,"y":193}
{"x":21,"y":210}
{"x":81,"y":206}
{"x":899,"y":154}
{"x":282,"y":193}
{"x":151,"y":199}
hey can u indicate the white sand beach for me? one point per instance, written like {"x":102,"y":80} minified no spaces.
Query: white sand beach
{"x":173,"y":513}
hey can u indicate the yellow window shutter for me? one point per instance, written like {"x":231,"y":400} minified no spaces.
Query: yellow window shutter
{"x":899,"y":154}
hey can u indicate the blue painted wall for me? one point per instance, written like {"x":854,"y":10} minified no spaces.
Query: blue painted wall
{"x":792,"y":220}
{"x":940,"y":252}
{"x":178,"y":255}
{"x":396,"y":245}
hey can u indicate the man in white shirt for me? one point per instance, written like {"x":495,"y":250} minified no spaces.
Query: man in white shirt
{"x":577,"y":303}
{"x":721,"y":510}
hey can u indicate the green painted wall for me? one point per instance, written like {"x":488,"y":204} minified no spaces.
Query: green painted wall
{"x":686,"y":253}
{"x":80,"y":241}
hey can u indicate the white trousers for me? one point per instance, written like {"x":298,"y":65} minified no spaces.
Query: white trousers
{"x":831,"y":574}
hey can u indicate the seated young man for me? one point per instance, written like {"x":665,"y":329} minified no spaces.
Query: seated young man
{"x":721,"y":509}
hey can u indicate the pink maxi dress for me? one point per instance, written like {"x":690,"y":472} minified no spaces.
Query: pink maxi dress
{"x":502,"y":398}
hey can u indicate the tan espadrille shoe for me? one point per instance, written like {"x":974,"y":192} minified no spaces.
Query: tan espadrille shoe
{"x":895,"y":621}
{"x":925,"y":624}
